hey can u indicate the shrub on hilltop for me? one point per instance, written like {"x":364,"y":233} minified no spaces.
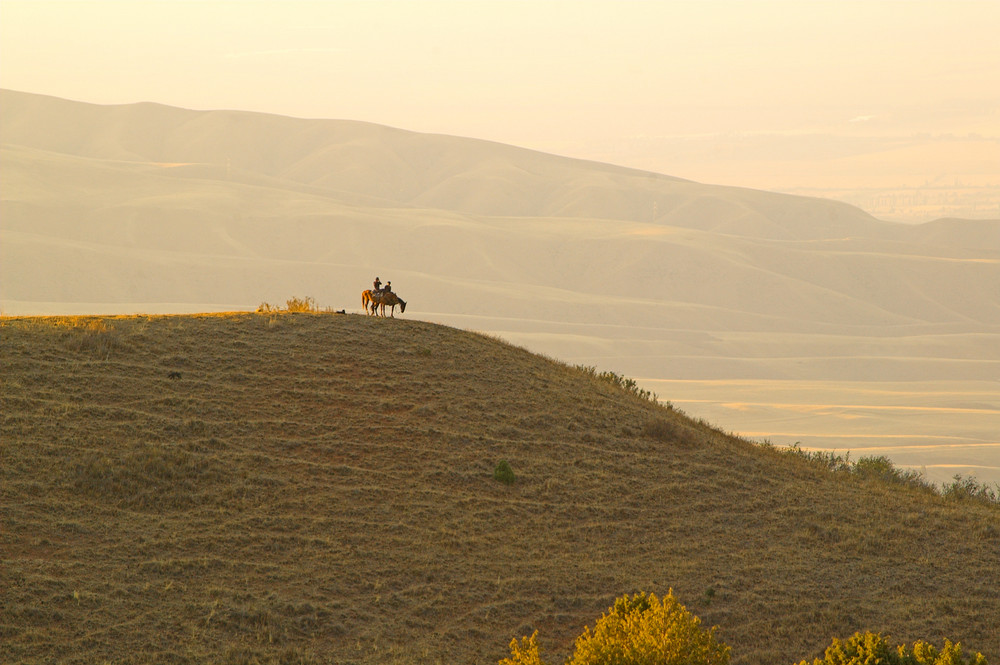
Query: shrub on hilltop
{"x":307,"y":304}
{"x":293,"y":304}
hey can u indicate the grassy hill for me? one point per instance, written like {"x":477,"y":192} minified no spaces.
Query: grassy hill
{"x":318,"y":488}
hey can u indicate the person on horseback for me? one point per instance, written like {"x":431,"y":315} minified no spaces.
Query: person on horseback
{"x":378,"y":285}
{"x":388,"y":286}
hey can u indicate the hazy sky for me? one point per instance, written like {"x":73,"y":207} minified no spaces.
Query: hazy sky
{"x":627,"y":82}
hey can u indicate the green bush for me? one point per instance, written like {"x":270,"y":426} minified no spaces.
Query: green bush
{"x":872,"y":649}
{"x":503,"y":473}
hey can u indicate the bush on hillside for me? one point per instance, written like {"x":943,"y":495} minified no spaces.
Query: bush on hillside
{"x":622,"y":382}
{"x":878,"y":468}
{"x":882,"y":468}
{"x":872,"y":649}
{"x":641,"y":630}
{"x":969,"y":489}
{"x":524,"y":652}
{"x":503,"y":473}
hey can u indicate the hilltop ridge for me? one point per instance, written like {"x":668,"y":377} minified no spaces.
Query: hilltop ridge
{"x":300,"y":487}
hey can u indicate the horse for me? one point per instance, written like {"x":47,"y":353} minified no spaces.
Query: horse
{"x":375,"y":301}
{"x":368,"y":301}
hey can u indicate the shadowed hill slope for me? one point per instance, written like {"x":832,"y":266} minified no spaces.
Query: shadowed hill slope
{"x":318,"y":488}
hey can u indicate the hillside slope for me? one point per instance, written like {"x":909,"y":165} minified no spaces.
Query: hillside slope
{"x":318,"y":488}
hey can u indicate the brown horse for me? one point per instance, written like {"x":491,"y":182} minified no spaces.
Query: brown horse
{"x":368,"y":301}
{"x":375,"y":302}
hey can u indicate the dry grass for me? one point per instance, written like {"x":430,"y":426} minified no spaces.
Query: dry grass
{"x":317,"y":488}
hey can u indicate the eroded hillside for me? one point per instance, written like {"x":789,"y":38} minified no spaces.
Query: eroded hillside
{"x":318,"y":488}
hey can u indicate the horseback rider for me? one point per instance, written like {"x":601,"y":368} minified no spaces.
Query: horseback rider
{"x":378,"y":285}
{"x":388,"y":286}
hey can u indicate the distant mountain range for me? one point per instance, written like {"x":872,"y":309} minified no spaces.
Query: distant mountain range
{"x":137,"y":200}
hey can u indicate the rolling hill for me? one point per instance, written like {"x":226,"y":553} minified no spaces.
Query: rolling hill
{"x":303,"y":488}
{"x":152,"y":209}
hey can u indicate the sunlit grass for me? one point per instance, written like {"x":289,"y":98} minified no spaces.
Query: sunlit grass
{"x":218,"y":488}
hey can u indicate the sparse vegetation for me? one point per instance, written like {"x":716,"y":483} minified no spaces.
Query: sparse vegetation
{"x":670,"y":431}
{"x":95,"y":336}
{"x":873,"y":649}
{"x":313,"y":491}
{"x":293,"y":304}
{"x":623,"y":382}
{"x":881,"y":469}
{"x":969,"y":489}
{"x":307,"y":304}
{"x":145,"y":476}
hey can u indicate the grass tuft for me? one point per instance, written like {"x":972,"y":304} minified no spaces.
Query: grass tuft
{"x":503,"y":472}
{"x":95,"y":336}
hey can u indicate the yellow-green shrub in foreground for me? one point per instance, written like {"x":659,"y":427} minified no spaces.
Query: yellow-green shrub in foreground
{"x":641,"y":630}
{"x":524,"y":652}
{"x":873,"y":649}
